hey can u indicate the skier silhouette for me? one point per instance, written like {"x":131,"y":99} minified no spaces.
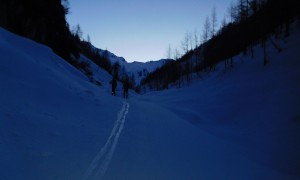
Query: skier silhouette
{"x":113,"y":86}
{"x":125,"y":88}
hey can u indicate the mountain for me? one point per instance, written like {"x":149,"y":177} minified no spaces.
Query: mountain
{"x":241,"y":123}
{"x":139,"y":69}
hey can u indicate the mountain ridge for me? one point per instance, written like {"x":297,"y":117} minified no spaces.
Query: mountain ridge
{"x":138,"y":69}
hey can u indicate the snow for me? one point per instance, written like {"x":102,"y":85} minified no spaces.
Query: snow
{"x":101,"y":162}
{"x":239,"y":123}
{"x":52,"y":118}
{"x":99,"y":74}
{"x":139,"y":69}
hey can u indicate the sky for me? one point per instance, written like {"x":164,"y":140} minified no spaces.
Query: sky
{"x":142,"y":30}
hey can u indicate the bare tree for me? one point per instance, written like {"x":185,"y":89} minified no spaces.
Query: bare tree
{"x":191,"y":42}
{"x":88,"y":38}
{"x":196,"y":39}
{"x":176,"y":54}
{"x":223,"y":23}
{"x":206,"y":30}
{"x":243,"y":9}
{"x":213,"y":22}
{"x":186,"y":42}
{"x":232,"y":12}
{"x":77,"y":31}
{"x":169,"y":51}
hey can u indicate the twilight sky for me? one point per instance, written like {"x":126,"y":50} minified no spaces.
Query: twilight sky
{"x":141,"y":30}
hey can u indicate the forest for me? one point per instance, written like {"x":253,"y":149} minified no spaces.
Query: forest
{"x":45,"y":22}
{"x":251,"y":22}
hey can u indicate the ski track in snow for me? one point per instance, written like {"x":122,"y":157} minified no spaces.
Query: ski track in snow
{"x":99,"y":165}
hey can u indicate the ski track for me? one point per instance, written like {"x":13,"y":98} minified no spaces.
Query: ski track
{"x":100,"y":163}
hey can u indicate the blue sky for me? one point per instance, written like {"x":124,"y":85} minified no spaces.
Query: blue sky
{"x":141,"y":30}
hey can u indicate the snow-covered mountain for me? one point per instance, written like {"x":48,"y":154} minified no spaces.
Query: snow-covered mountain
{"x":139,"y":69}
{"x":241,"y":123}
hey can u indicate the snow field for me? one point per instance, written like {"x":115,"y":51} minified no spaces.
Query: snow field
{"x":239,"y":123}
{"x":105,"y":155}
{"x":52,"y":119}
{"x":255,"y":107}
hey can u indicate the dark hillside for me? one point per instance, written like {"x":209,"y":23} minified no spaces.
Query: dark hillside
{"x":273,"y":17}
{"x":42,"y":21}
{"x":45,"y":22}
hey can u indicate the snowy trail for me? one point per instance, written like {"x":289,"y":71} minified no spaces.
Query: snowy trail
{"x":99,"y":165}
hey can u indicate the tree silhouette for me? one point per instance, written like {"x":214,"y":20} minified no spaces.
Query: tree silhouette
{"x":206,"y":30}
{"x":213,"y":22}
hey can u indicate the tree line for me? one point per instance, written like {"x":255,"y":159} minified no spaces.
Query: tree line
{"x":250,"y":22}
{"x":42,"y":21}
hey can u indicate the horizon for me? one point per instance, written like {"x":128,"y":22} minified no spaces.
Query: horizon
{"x":131,"y":30}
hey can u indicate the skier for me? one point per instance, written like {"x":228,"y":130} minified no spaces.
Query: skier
{"x":113,"y":86}
{"x":125,"y":88}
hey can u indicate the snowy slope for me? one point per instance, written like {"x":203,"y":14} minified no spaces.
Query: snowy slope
{"x":241,"y":123}
{"x":99,"y":74}
{"x":52,"y":118}
{"x":254,"y":107}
